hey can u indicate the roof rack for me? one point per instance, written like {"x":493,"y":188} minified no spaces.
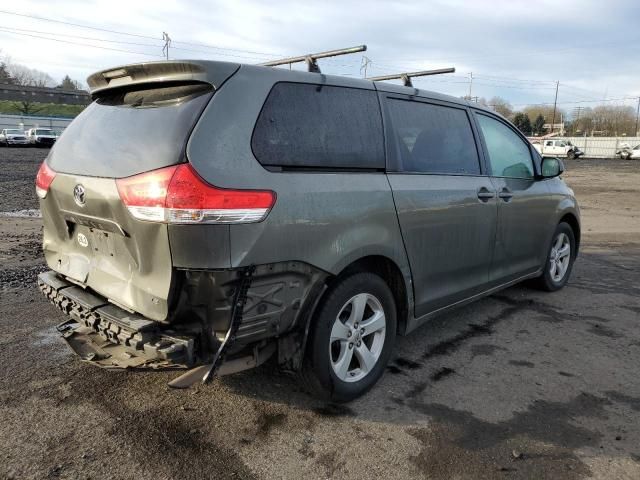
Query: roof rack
{"x":311,"y":59}
{"x":406,"y":77}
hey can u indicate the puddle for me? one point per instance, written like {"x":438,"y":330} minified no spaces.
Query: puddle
{"x":52,"y":341}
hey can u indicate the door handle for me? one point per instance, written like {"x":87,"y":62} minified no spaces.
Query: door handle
{"x":485,"y":194}
{"x":505,"y":194}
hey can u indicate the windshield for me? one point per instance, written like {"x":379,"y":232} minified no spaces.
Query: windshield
{"x":637,"y":147}
{"x":127,"y":132}
{"x":570,"y":144}
{"x":14,"y":132}
{"x":44,"y":132}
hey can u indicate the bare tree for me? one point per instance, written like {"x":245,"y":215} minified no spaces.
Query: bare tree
{"x":501,"y":106}
{"x":27,"y":107}
{"x":26,"y":76}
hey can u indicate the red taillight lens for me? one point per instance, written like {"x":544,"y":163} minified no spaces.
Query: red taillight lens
{"x":43,"y":179}
{"x":178,"y":195}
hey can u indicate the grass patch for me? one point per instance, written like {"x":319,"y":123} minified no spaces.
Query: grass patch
{"x":45,"y":109}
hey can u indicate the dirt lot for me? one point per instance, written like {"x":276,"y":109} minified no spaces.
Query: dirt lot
{"x":519,"y":385}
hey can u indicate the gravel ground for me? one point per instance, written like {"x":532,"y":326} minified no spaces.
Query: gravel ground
{"x":519,"y":385}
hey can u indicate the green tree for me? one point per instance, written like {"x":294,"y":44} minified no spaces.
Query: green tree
{"x":521,"y":120}
{"x":4,"y":74}
{"x":538,"y":125}
{"x":69,"y":84}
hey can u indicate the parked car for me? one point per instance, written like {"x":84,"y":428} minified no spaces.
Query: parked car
{"x":625,"y":151}
{"x":208,"y":215}
{"x":41,"y":137}
{"x":12,"y":136}
{"x":558,"y":148}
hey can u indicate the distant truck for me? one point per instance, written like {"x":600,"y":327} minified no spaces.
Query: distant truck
{"x":557,"y":148}
{"x":41,"y":137}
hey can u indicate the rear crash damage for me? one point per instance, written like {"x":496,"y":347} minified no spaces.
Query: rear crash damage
{"x":221,"y":322}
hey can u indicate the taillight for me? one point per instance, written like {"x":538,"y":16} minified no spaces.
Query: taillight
{"x":43,"y":179}
{"x":178,"y":195}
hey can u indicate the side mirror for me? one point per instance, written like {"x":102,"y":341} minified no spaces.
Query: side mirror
{"x":552,"y":167}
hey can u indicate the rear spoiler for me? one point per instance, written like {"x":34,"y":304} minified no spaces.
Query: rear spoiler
{"x":214,"y":73}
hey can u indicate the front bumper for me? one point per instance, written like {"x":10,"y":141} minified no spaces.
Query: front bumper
{"x":108,"y":336}
{"x":14,"y":141}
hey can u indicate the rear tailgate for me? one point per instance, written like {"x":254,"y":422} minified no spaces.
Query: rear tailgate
{"x":101,"y":246}
{"x":90,"y":237}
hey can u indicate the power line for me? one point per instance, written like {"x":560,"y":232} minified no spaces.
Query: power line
{"x":116,"y":32}
{"x":529,"y":54}
{"x":94,"y":39}
{"x":78,"y":43}
{"x":82,"y":37}
{"x":576,"y":102}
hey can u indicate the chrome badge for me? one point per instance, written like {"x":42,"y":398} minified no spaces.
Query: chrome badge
{"x":82,"y":240}
{"x":79,"y":195}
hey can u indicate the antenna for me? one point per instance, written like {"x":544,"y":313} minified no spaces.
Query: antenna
{"x":406,"y":77}
{"x":311,"y":59}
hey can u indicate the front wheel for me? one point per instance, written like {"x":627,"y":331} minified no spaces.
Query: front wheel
{"x":352,"y":338}
{"x":560,"y":258}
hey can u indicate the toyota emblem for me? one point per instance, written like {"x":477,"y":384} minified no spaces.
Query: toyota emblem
{"x":79,"y":195}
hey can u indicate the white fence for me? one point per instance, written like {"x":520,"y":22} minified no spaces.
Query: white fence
{"x":601,"y":147}
{"x":32,"y":121}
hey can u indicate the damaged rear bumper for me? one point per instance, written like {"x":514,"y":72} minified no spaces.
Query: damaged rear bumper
{"x":108,"y":336}
{"x":224,"y":321}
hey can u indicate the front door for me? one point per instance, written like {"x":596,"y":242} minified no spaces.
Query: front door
{"x":446,"y":208}
{"x":524,"y":203}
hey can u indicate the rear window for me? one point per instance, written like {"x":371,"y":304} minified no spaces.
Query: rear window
{"x":127,"y":132}
{"x":314,"y":126}
{"x":433,"y":138}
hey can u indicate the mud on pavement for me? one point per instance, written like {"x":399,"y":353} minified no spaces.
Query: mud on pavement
{"x":519,"y":385}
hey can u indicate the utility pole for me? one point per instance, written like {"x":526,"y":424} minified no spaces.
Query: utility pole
{"x":555,"y":104}
{"x":167,"y":43}
{"x":576,"y":112}
{"x":470,"y":84}
{"x":366,"y":61}
{"x":637,"y":116}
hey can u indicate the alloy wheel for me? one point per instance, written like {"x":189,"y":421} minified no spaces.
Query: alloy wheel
{"x":560,"y":257}
{"x":357,"y":337}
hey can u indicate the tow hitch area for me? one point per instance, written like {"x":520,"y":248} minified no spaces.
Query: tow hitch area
{"x":108,"y":336}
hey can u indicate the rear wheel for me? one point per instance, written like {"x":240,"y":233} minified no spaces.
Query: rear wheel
{"x":352,"y":338}
{"x":560,"y":257}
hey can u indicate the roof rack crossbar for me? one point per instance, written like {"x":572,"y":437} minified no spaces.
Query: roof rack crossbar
{"x":406,"y":77}
{"x":312,"y":59}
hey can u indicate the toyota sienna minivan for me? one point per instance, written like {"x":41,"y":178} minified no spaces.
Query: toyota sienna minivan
{"x":208,"y":216}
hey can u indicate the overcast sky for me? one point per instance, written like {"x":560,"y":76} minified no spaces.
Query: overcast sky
{"x":515,"y":49}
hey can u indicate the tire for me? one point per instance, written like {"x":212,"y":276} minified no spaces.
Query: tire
{"x":336,"y":370}
{"x":552,"y":279}
{"x":571,"y":155}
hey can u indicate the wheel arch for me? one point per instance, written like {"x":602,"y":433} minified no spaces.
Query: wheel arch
{"x":391,"y":273}
{"x":573,"y":222}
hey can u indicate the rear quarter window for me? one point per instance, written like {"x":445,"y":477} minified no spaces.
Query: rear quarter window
{"x":316,"y":126}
